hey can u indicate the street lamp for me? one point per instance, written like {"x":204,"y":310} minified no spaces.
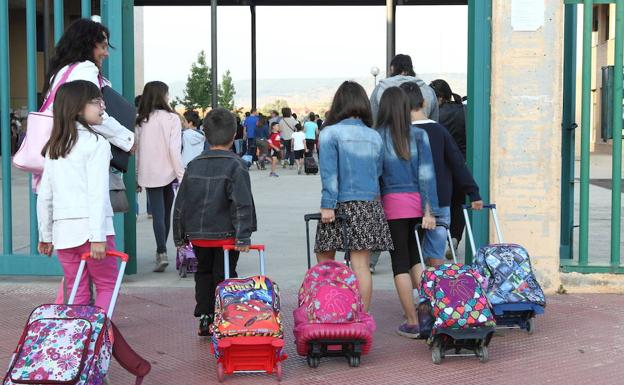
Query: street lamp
{"x":375,"y":72}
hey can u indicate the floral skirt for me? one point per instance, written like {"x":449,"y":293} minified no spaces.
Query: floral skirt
{"x":367,"y":228}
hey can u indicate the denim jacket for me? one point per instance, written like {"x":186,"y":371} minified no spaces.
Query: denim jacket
{"x":351,"y":161}
{"x":415,"y":175}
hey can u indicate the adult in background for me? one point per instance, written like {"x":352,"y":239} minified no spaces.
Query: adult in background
{"x":159,"y":160}
{"x":453,"y":117}
{"x":351,"y":164}
{"x":250,"y":124}
{"x":287,"y":128}
{"x":402,"y":71}
{"x":311,"y":131}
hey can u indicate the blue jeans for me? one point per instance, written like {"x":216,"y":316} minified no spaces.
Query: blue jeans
{"x":434,"y":244}
{"x":238,"y":146}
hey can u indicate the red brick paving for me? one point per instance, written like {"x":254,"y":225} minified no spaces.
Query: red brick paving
{"x":579,"y":340}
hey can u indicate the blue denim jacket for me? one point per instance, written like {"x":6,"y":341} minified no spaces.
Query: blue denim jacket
{"x":351,"y":161}
{"x":415,"y":175}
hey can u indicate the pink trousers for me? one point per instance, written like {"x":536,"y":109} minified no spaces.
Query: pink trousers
{"x":103,"y":274}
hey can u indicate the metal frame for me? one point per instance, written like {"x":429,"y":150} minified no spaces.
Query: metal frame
{"x":478,"y":117}
{"x":583,"y":264}
{"x":568,"y":127}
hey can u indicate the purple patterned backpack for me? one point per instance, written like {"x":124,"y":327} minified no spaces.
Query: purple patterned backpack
{"x":65,"y":344}
{"x":186,"y":262}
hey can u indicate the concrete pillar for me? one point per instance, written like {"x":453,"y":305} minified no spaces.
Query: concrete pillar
{"x":526,"y":101}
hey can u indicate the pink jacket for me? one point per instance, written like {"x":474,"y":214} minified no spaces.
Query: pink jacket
{"x":159,"y":155}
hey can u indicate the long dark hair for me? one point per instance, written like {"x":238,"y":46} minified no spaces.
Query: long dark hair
{"x":394,"y":115}
{"x":154,"y":98}
{"x":349,"y":101}
{"x":443,"y":90}
{"x":71,"y":99}
{"x":76,"y":45}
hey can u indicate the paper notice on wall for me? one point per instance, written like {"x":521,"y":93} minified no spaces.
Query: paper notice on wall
{"x":527,"y":15}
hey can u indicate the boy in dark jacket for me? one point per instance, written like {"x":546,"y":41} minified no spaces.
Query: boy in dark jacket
{"x":450,"y":167}
{"x":214,"y":207}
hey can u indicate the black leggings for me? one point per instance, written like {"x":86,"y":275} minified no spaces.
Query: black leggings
{"x":161,"y":201}
{"x":210,"y":273}
{"x":457,"y":213}
{"x":405,"y":254}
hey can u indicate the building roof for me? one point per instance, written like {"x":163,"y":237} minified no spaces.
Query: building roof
{"x":299,"y":2}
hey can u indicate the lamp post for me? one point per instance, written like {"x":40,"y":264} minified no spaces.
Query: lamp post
{"x":375,"y":71}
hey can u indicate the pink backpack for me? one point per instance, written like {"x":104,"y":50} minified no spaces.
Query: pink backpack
{"x":330,"y":294}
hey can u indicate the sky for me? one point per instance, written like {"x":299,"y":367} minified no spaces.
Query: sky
{"x":303,"y":42}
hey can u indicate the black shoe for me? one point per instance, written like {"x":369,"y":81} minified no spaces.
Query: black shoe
{"x":204,"y":325}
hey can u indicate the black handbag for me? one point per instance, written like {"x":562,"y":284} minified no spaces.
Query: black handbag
{"x":125,"y":113}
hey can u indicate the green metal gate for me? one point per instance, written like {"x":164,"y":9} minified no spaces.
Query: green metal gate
{"x":568,"y":262}
{"x":118,"y":15}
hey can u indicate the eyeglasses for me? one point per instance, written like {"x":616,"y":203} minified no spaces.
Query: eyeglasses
{"x":98,"y":102}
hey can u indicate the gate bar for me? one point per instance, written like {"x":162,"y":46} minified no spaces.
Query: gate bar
{"x":616,"y":176}
{"x":5,"y":130}
{"x":59,"y":20}
{"x":31,"y":69}
{"x":85,"y":9}
{"x":585,"y":131}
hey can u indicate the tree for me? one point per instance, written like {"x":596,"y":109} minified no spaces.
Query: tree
{"x":198,"y":91}
{"x":277,"y":105}
{"x":227,"y":91}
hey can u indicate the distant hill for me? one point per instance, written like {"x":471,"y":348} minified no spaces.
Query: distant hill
{"x":309,"y":94}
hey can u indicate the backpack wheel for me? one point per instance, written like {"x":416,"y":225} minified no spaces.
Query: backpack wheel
{"x":530,"y":326}
{"x":314,"y":361}
{"x":220,"y":372}
{"x":436,"y":352}
{"x":183,"y":270}
{"x":482,"y":353}
{"x":354,"y":361}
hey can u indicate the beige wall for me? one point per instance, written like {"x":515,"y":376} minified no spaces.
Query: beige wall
{"x":526,"y":134}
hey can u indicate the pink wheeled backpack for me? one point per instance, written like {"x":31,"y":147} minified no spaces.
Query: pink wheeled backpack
{"x":330,"y":319}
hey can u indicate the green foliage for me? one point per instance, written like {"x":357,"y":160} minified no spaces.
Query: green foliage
{"x":198,"y":91}
{"x":277,"y":105}
{"x":227,"y":92}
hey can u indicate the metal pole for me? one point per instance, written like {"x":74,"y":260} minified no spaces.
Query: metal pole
{"x":390,"y":33}
{"x":585,"y":131}
{"x":46,"y":35}
{"x":85,"y":9}
{"x":616,"y":176}
{"x":213,"y":52}
{"x":253,"y":57}
{"x":478,"y":122}
{"x":567,"y":132}
{"x":59,"y":15}
{"x":31,"y":66}
{"x":5,"y":130}
{"x":129,"y":93}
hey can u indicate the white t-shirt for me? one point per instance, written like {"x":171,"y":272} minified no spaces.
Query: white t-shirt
{"x":298,"y":141}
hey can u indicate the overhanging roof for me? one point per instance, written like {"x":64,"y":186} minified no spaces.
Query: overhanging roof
{"x":299,"y":2}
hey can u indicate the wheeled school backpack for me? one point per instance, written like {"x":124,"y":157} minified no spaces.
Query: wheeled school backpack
{"x":247,"y":307}
{"x":454,"y":313}
{"x":247,"y":332}
{"x":186,"y":262}
{"x":66,"y":344}
{"x":330,"y":320}
{"x":515,"y":294}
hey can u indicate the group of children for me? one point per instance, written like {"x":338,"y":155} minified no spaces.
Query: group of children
{"x":407,"y":159}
